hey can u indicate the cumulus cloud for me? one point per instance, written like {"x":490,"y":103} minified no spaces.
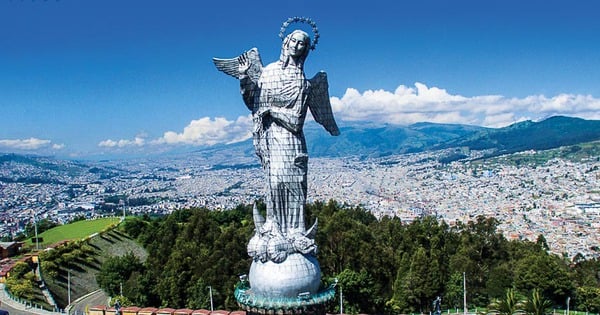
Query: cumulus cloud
{"x":403,"y":106}
{"x":139,"y":141}
{"x":207,"y":131}
{"x":30,"y":144}
{"x":408,"y":105}
{"x":203,"y":131}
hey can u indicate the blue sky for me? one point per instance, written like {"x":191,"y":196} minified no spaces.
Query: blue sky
{"x":106,"y":77}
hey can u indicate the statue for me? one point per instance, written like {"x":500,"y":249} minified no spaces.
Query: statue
{"x":279,"y":96}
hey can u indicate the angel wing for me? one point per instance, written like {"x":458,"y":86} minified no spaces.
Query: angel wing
{"x":319,"y":104}
{"x":232,"y":66}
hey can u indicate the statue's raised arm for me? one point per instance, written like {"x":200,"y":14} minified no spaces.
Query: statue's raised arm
{"x":232,"y":66}
{"x":246,"y":67}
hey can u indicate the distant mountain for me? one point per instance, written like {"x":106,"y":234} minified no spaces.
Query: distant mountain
{"x":366,"y":141}
{"x":551,"y":133}
{"x":383,"y":141}
{"x":32,"y":169}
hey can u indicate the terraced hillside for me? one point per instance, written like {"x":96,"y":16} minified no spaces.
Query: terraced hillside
{"x":82,"y":261}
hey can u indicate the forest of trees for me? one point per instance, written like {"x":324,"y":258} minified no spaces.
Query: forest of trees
{"x":384,"y":266}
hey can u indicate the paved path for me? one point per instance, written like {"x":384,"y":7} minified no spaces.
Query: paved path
{"x":16,"y":308}
{"x":80,"y":305}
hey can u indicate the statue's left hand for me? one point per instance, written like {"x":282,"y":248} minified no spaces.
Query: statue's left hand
{"x":244,"y":64}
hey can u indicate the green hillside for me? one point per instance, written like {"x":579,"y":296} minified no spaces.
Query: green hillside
{"x":83,"y":260}
{"x":74,"y":231}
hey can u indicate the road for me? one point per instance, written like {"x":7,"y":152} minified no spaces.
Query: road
{"x":79,"y":306}
{"x":15,"y":308}
{"x":12,"y":311}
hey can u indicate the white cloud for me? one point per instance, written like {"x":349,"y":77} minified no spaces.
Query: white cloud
{"x":407,"y":105}
{"x":139,"y":141}
{"x":27,"y":144}
{"x":203,"y":131}
{"x":404,"y":106}
{"x":207,"y":131}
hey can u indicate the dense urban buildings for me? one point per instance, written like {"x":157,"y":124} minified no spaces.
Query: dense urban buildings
{"x":558,"y":198}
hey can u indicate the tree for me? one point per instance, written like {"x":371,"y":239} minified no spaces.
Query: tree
{"x":588,"y":298}
{"x":49,"y":268}
{"x":499,"y":278}
{"x":511,"y":303}
{"x":537,"y":304}
{"x":116,"y":270}
{"x":134,"y":226}
{"x":343,"y":242}
{"x":417,"y":288}
{"x":542,"y":243}
{"x":22,"y":288}
{"x":198,"y":295}
{"x":19,"y":270}
{"x":545,"y":272}
{"x":399,"y":302}
{"x":21,"y":281}
{"x":359,"y":290}
{"x":123,"y":301}
{"x":453,"y":296}
{"x":480,"y":249}
{"x":586,"y":272}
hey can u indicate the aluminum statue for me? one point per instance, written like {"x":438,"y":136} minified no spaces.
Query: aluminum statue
{"x":279,"y":97}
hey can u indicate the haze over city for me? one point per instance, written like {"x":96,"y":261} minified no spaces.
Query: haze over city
{"x":112,"y":77}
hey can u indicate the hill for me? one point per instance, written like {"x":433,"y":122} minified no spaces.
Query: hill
{"x":376,"y":141}
{"x":551,"y":133}
{"x":75,"y":231}
{"x":382,"y":141}
{"x":81,"y":261}
{"x":358,"y":140}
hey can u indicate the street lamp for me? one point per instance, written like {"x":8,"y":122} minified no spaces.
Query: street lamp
{"x":69,"y":285}
{"x":341,"y":301}
{"x":465,"y":293}
{"x":211,"y":300}
{"x":37,"y":241}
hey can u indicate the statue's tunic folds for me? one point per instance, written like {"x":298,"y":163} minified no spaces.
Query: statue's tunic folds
{"x":279,"y":101}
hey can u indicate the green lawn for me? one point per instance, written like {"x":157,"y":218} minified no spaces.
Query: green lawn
{"x":74,"y":231}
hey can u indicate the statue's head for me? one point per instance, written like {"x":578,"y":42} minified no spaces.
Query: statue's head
{"x":295,"y":45}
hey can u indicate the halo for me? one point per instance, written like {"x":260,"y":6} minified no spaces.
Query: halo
{"x":298,"y":19}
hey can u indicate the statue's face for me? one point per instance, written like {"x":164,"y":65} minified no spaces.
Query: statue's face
{"x":297,"y":44}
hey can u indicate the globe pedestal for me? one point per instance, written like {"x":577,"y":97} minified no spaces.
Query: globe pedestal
{"x":295,"y":275}
{"x":289,"y":287}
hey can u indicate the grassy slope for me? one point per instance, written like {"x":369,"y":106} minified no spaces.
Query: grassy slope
{"x":83,"y":273}
{"x":74,"y":231}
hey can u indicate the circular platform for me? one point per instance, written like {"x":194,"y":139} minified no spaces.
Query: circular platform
{"x":310,"y":304}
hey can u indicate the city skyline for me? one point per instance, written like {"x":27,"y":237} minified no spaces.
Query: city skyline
{"x":107,"y":77}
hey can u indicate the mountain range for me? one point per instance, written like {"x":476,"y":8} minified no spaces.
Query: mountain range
{"x":550,"y":133}
{"x":365,"y":141}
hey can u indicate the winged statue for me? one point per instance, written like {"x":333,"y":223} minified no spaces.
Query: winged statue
{"x":279,"y":97}
{"x":319,"y":103}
